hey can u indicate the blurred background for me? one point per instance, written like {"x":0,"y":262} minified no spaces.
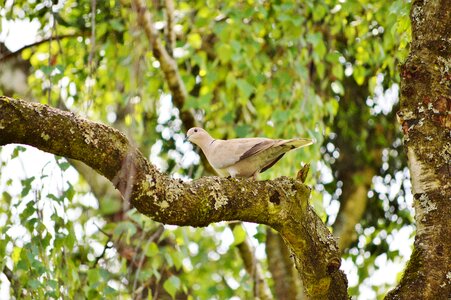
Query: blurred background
{"x":279,"y":69}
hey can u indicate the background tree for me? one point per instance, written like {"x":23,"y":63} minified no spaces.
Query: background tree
{"x":278,"y":70}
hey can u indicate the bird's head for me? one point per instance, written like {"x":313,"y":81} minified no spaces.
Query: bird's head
{"x":198,"y":136}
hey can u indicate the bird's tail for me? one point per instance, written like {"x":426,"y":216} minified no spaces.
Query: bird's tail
{"x":299,"y":142}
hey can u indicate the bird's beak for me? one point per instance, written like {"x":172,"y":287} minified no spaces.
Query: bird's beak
{"x":186,"y":138}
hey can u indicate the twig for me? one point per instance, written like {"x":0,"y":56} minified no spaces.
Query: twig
{"x":152,"y":238}
{"x":49,"y":94}
{"x":103,"y":231}
{"x":108,"y":245}
{"x":9,"y":274}
{"x":46,"y":40}
{"x":93,"y":33}
{"x":91,"y":53}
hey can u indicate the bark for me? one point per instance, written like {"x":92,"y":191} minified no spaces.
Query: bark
{"x":426,"y":122}
{"x":281,"y":203}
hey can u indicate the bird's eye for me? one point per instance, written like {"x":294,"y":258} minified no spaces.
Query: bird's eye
{"x":195,"y":130}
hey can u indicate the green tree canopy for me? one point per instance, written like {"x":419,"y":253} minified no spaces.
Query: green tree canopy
{"x":152,"y":69}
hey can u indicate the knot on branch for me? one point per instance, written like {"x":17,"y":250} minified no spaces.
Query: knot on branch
{"x":275,"y":197}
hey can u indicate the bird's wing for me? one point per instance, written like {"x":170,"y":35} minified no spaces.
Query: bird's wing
{"x":264,"y":155}
{"x":258,"y":146}
{"x":225,"y":153}
{"x":286,"y":145}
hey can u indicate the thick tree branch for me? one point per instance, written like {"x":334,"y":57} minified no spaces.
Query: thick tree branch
{"x":426,"y":121}
{"x":281,"y":203}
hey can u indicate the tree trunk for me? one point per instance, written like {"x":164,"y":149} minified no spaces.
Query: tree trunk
{"x":426,"y":123}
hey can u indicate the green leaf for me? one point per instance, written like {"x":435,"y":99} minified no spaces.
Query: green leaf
{"x":34,"y":284}
{"x":314,"y":38}
{"x":245,"y":88}
{"x":195,"y":40}
{"x":177,"y":259}
{"x":93,"y":276}
{"x":117,"y":25}
{"x":6,"y":198}
{"x":172,"y":285}
{"x":64,"y":165}
{"x":320,"y":48}
{"x":225,"y":53}
{"x":26,"y":186}
{"x":152,"y":250}
{"x":52,"y":283}
{"x":199,"y":102}
{"x":28,"y":211}
{"x":319,"y":12}
{"x":55,"y":198}
{"x":125,"y":228}
{"x":359,"y":74}
{"x":70,"y":192}
{"x":239,"y":235}
{"x":110,"y":206}
{"x":17,"y":150}
{"x":243,"y":130}
{"x":16,"y":254}
{"x":337,"y":70}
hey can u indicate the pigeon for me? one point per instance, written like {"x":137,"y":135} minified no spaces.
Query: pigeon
{"x":242,"y":157}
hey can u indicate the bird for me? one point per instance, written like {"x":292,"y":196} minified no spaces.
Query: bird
{"x":243,"y":157}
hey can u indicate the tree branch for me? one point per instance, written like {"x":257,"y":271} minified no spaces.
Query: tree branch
{"x":281,"y":203}
{"x":170,"y":33}
{"x":9,"y":55}
{"x":167,"y":63}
